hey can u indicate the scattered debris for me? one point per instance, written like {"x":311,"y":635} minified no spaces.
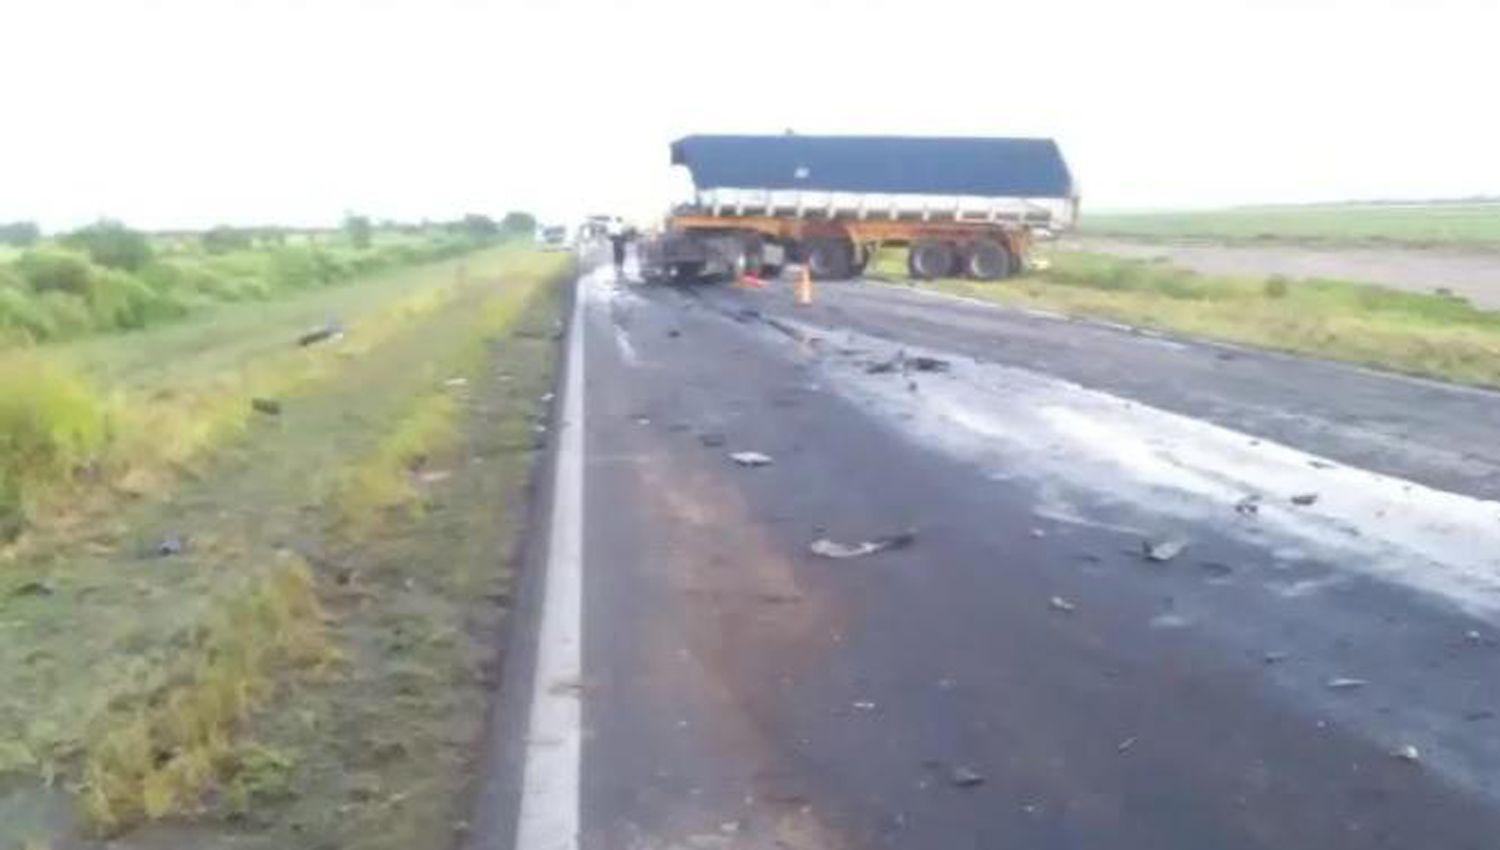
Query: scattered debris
{"x":927,"y":364}
{"x":1126,"y":744}
{"x":1163,"y":550}
{"x":711,"y":440}
{"x":826,"y":548}
{"x":965,"y":777}
{"x":1481,"y":714}
{"x":268,"y":406}
{"x":751,"y":459}
{"x":1248,"y":506}
{"x":864,"y":705}
{"x":772,"y":598}
{"x":1274,"y":657}
{"x":1304,"y":499}
{"x":674,"y":333}
{"x":1342,"y":684}
{"x":36,"y":587}
{"x":169,"y":546}
{"x":1060,"y":604}
{"x":333,"y":330}
{"x":1407,"y":753}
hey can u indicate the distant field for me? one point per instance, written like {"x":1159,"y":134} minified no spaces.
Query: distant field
{"x":1433,"y":224}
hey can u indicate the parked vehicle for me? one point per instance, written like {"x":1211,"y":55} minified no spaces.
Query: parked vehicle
{"x":961,"y":206}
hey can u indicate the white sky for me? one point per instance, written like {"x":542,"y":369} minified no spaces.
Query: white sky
{"x":183,"y":113}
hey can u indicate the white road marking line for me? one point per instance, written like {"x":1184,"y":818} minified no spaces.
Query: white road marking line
{"x":549,"y":809}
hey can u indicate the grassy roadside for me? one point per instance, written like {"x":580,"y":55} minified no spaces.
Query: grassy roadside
{"x":1455,"y":224}
{"x":87,"y":422}
{"x":145,"y":687}
{"x":1430,"y":335}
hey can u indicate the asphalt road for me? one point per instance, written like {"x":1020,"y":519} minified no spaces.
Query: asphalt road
{"x":1317,"y":667}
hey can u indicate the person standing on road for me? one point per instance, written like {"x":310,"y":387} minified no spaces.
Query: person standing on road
{"x":618,"y":239}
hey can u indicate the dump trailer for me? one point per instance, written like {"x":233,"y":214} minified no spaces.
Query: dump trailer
{"x":961,"y":206}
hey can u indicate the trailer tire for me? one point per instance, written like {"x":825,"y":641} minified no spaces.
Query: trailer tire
{"x":929,"y":259}
{"x":988,"y":259}
{"x":829,"y":259}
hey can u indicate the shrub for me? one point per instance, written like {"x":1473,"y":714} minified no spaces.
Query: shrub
{"x":222,"y":239}
{"x":51,"y":423}
{"x":55,"y":270}
{"x":110,"y":243}
{"x":1276,"y":286}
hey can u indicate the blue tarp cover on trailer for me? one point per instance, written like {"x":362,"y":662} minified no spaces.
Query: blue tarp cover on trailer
{"x":1009,"y":168}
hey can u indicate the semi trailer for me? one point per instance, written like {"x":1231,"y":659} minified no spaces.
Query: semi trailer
{"x":960,"y":206}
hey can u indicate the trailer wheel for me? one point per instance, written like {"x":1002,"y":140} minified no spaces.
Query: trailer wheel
{"x":829,"y":259}
{"x":987,"y":259}
{"x":929,"y":259}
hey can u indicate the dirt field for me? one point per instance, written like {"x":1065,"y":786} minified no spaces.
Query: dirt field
{"x":1471,"y":273}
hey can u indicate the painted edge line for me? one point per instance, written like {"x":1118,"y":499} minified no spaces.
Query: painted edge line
{"x":548,"y":814}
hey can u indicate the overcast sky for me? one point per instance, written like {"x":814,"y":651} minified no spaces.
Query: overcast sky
{"x":190,"y":113}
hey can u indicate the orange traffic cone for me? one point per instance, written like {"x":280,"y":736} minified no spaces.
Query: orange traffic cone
{"x":802,"y":293}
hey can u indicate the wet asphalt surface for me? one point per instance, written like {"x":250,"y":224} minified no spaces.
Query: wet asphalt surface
{"x":1007,"y":679}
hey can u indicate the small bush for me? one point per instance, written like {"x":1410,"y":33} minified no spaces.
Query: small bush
{"x":1276,"y":286}
{"x":55,"y":270}
{"x":112,"y":244}
{"x":51,"y":423}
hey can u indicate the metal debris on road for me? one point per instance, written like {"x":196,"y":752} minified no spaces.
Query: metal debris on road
{"x":1407,"y":753}
{"x":173,"y":545}
{"x":1163,"y":550}
{"x":826,"y":548}
{"x":1304,"y":499}
{"x":965,"y":777}
{"x":864,"y":705}
{"x":1342,"y":684}
{"x":1060,"y":604}
{"x":268,"y":406}
{"x":1274,"y":657}
{"x":1126,"y":744}
{"x":751,"y":459}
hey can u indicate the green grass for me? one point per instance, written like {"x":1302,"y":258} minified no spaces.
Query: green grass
{"x":1430,"y":335}
{"x":237,"y":682}
{"x":55,"y":291}
{"x":1435,"y":224}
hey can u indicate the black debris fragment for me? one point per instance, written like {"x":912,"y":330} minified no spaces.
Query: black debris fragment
{"x":332,"y":330}
{"x":1248,"y":506}
{"x":35,"y":587}
{"x":1304,"y":499}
